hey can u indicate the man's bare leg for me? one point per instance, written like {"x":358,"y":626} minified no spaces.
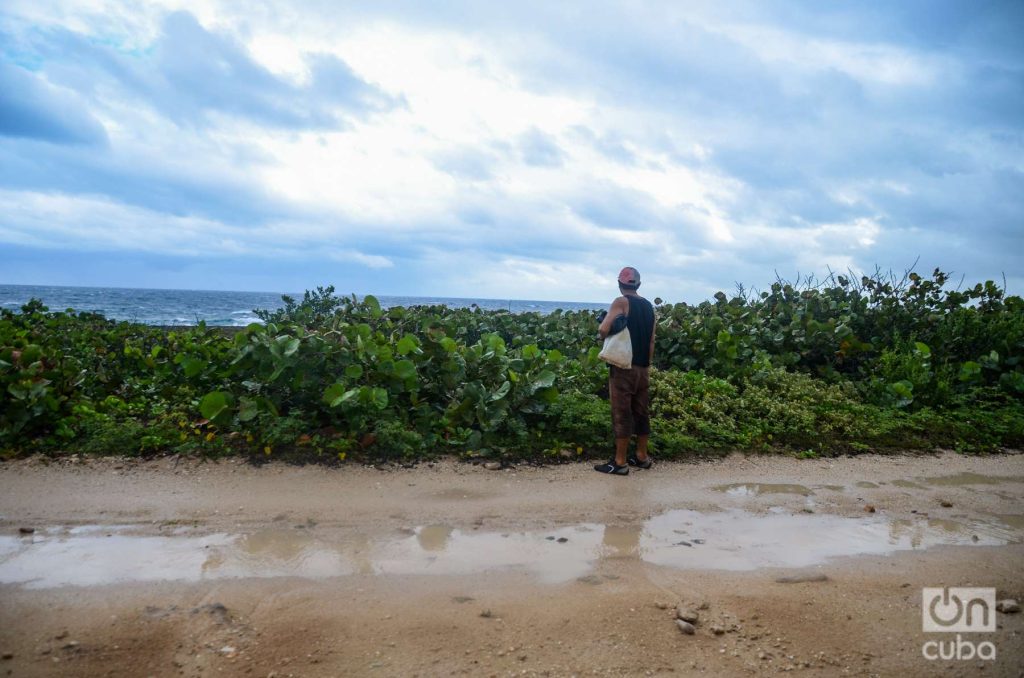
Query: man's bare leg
{"x":621,"y":445}
{"x":641,"y":448}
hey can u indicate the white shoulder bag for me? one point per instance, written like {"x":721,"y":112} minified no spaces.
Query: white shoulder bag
{"x":618,"y":350}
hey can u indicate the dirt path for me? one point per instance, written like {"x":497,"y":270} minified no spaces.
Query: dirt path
{"x":169,"y":568}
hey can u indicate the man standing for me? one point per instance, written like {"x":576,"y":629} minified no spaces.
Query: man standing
{"x":629,"y":389}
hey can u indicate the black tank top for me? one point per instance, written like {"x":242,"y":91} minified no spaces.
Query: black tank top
{"x":640,"y":322}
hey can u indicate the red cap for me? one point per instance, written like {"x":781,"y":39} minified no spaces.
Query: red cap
{"x":629,"y":276}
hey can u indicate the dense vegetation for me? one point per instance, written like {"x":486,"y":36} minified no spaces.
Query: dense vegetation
{"x":817,"y":368}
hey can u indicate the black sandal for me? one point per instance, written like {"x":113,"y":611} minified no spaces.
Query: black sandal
{"x":645,"y":464}
{"x":612,"y":468}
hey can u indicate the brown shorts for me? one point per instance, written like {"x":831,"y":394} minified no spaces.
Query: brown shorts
{"x":629,"y":392}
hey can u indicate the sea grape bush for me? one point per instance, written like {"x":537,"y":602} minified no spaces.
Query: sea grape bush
{"x":816,"y":367}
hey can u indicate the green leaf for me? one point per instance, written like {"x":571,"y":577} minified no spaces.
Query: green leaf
{"x":379,"y":398}
{"x":407,"y":344}
{"x":353,"y":372}
{"x":215,"y":404}
{"x":372,"y":304}
{"x":502,"y":391}
{"x":248,"y":409}
{"x":530,"y":351}
{"x":405,"y":369}
{"x":448,"y":344}
{"x":192,"y":367}
{"x":970,"y":371}
{"x":904,"y":390}
{"x":333,"y":392}
{"x":922,"y":349}
{"x":291,"y":345}
{"x":345,"y":397}
{"x":543,"y":380}
{"x":495,"y":343}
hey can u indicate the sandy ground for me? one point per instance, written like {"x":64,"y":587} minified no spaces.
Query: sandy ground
{"x":434,"y":570}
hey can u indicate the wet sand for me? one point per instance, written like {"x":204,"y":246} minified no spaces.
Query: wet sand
{"x":171,"y":567}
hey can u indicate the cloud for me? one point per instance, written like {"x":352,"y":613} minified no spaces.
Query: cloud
{"x":31,"y":108}
{"x":514,"y":150}
{"x":191,"y":74}
{"x":51,"y":220}
{"x":197,"y":72}
{"x":539,"y":149}
{"x":467,"y":162}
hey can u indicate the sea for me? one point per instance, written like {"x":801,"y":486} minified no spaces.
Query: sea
{"x":233,"y":309}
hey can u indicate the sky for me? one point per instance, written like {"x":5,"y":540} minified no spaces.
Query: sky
{"x":522,"y":150}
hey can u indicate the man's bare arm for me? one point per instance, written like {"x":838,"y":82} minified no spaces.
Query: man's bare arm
{"x":619,"y":307}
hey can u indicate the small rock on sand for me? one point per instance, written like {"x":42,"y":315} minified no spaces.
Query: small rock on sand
{"x":1008,"y":606}
{"x":26,"y":530}
{"x":686,"y":627}
{"x":717,"y":630}
{"x":8,"y":655}
{"x":801,"y":578}
{"x":687,"y":614}
{"x":870,"y":508}
{"x":493,"y":466}
{"x":945,"y":503}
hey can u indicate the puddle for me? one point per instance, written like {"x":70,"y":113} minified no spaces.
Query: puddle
{"x":727,"y":540}
{"x":758,"y":489}
{"x":934,"y":531}
{"x":1012,"y":520}
{"x":970,"y":479}
{"x":620,"y":541}
{"x":867,"y":484}
{"x":433,"y":537}
{"x":738,"y":540}
{"x":834,"y":488}
{"x":908,"y":484}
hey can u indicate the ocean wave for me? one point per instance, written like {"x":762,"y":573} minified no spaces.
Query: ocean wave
{"x":233,"y":309}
